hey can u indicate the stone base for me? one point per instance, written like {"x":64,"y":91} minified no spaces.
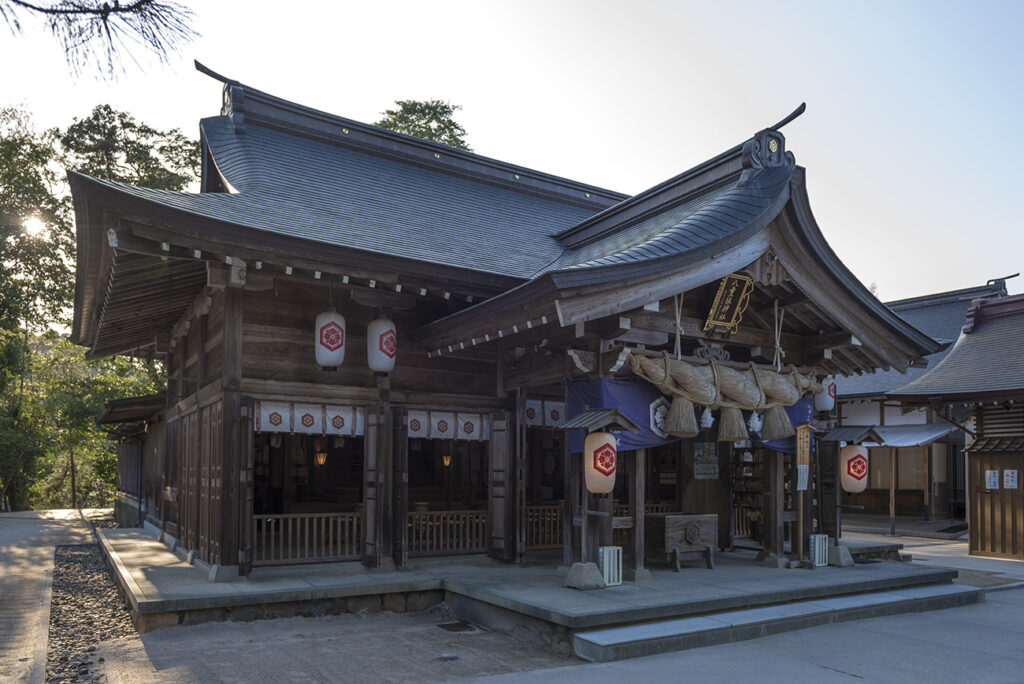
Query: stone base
{"x":840,"y":557}
{"x":769,"y":560}
{"x":637,"y":575}
{"x":584,"y":576}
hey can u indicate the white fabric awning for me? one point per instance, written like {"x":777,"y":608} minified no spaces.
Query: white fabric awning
{"x":910,"y":435}
{"x":889,"y":435}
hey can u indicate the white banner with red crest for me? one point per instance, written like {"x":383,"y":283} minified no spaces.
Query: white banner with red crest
{"x":308,"y":419}
{"x":273,"y":416}
{"x":344,"y":420}
{"x":534,"y":413}
{"x":554,"y":413}
{"x":447,"y":425}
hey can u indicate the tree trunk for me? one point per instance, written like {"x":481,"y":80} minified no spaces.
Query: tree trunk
{"x":74,"y":492}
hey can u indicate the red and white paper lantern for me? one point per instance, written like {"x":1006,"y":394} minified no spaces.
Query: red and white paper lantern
{"x":853,"y":465}
{"x":600,"y":455}
{"x":329,"y":339}
{"x":381,"y":345}
{"x":825,"y":400}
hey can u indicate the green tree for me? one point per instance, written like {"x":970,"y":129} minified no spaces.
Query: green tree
{"x":432,"y":120}
{"x":36,"y":253}
{"x":114,"y":146}
{"x":77,"y":464}
{"x":49,"y":393}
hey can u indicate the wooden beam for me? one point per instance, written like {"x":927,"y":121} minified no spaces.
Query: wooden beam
{"x":693,"y":328}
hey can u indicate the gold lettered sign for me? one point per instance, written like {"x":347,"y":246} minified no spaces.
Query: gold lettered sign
{"x":730,"y":303}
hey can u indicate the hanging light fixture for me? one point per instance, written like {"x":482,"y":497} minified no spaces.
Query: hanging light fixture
{"x":853,"y":466}
{"x":319,"y":453}
{"x":381,"y":345}
{"x":446,"y":459}
{"x":600,"y":455}
{"x":329,"y":337}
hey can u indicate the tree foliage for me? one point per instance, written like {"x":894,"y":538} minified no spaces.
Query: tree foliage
{"x":36,"y":253}
{"x":98,"y":32}
{"x":64,"y":395}
{"x":114,"y":146}
{"x":432,"y":120}
{"x":49,"y":392}
{"x":35,"y":275}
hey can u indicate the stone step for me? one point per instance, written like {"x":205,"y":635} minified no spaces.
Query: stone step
{"x":651,"y":638}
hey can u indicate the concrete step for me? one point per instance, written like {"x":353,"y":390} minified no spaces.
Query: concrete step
{"x":651,"y":638}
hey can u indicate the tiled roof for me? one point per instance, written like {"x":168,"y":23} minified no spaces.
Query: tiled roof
{"x":303,"y":188}
{"x":940,"y":316}
{"x":691,"y":225}
{"x":986,"y":361}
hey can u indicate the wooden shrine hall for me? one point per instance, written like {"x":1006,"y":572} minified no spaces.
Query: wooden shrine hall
{"x":376,"y":345}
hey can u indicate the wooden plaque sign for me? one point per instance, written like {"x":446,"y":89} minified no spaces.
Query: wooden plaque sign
{"x":803,"y":444}
{"x":730,"y":303}
{"x":803,"y":455}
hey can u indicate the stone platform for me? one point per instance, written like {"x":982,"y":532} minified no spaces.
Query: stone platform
{"x":164,"y":590}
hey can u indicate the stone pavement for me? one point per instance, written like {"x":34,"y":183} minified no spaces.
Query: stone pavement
{"x":978,"y":643}
{"x":906,"y":525}
{"x":26,"y":560}
{"x":954,"y":554}
{"x":384,"y":647}
{"x":162,"y":586}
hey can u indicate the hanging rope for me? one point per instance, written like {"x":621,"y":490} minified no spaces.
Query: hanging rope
{"x":678,"y":300}
{"x":779,"y":354}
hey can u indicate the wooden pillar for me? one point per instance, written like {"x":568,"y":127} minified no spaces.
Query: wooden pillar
{"x":501,"y":538}
{"x":385,"y":474}
{"x":892,"y":491}
{"x":570,"y":499}
{"x":774,"y":549}
{"x":372,"y":503}
{"x":400,"y":487}
{"x":637,"y":502}
{"x":927,"y":454}
{"x":570,"y":482}
{"x":517,"y":501}
{"x":233,"y":424}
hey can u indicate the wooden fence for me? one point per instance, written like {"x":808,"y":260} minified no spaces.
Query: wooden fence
{"x":438,"y":533}
{"x":306,"y":538}
{"x":622,"y":510}
{"x":544,"y":527}
{"x":544,"y":523}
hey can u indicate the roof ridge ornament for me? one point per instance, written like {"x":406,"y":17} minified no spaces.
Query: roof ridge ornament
{"x":768,"y":148}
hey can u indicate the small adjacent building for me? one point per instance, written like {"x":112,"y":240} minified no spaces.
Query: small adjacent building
{"x":373,"y":343}
{"x":928,"y":476}
{"x":984,"y":374}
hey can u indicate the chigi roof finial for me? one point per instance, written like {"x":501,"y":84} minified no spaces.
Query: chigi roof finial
{"x":796,"y":112}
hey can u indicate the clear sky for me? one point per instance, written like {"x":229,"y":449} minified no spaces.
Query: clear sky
{"x":908,"y":140}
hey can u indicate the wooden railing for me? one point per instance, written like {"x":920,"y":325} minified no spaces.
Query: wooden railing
{"x":544,"y":526}
{"x":437,"y":533}
{"x":655,"y":507}
{"x":306,"y":538}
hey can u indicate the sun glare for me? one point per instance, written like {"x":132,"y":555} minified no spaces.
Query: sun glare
{"x":33,"y":226}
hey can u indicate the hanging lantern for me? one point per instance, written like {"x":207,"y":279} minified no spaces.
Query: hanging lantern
{"x":319,"y":453}
{"x":825,"y":400}
{"x":330,"y":339}
{"x":446,"y":460}
{"x":853,"y":464}
{"x":381,"y":345}
{"x":599,"y":456}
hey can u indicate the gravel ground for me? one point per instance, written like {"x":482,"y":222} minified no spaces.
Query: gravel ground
{"x":85,"y":609}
